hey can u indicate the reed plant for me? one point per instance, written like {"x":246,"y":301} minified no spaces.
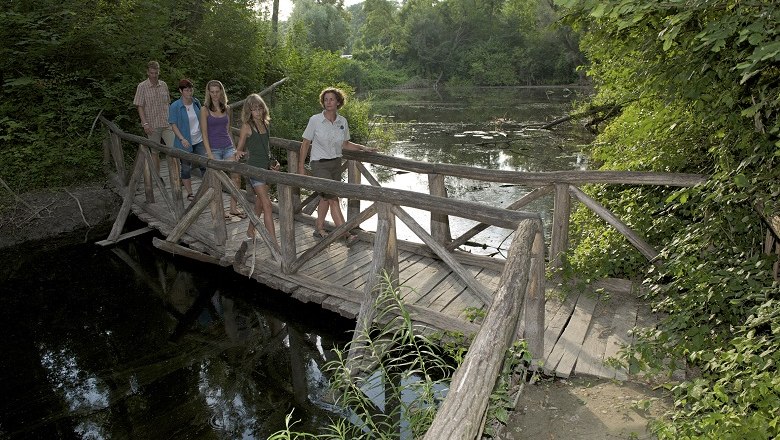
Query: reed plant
{"x":409,"y":366}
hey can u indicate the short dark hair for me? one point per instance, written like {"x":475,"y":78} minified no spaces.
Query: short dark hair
{"x":185,"y":83}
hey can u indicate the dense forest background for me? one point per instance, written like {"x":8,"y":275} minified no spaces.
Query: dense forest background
{"x":64,"y":62}
{"x":682,"y":85}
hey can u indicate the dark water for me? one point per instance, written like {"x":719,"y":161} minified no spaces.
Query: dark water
{"x":132,"y":343}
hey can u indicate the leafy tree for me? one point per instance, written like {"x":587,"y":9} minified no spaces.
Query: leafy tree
{"x":702,"y":81}
{"x":325,"y":22}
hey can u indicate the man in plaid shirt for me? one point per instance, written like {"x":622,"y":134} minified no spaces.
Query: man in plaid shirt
{"x":152,"y":100}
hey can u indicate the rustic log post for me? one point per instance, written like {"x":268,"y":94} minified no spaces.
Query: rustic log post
{"x":292,"y":167}
{"x":287,"y":202}
{"x":174,"y":177}
{"x":127,"y":198}
{"x":559,"y":235}
{"x":217,"y":207}
{"x":533,"y":332}
{"x":460,"y":415}
{"x":385,"y":262}
{"x":440,"y":223}
{"x":117,"y":154}
{"x":148,"y":184}
{"x":353,"y":176}
{"x":156,"y":180}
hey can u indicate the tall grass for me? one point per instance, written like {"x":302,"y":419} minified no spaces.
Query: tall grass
{"x":411,"y":370}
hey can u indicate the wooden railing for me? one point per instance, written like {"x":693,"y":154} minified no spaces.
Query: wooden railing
{"x":522,"y":280}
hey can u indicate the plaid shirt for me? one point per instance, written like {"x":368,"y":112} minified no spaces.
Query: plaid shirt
{"x":155,"y":101}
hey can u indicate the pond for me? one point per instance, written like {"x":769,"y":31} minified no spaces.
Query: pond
{"x":490,"y":128}
{"x":130,"y":342}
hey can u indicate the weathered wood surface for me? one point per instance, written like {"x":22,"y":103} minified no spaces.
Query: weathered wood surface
{"x":460,"y":415}
{"x":436,"y":296}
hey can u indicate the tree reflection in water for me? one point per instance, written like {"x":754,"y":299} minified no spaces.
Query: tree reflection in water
{"x":143,"y":345}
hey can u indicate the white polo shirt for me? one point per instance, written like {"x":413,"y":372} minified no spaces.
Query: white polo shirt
{"x":326,"y":137}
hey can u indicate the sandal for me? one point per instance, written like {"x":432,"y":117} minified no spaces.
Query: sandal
{"x":351,"y":239}
{"x":190,"y":197}
{"x":239,"y":214}
{"x":319,"y":234}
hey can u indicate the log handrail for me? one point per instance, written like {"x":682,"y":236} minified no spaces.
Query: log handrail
{"x":461,"y":413}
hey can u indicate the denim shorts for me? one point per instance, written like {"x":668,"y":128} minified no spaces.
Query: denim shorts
{"x":224,"y":153}
{"x":255,"y":182}
{"x":186,"y":167}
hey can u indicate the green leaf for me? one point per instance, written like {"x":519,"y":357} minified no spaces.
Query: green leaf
{"x":740,"y":180}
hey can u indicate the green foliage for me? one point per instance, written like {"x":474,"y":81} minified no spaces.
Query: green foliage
{"x":495,"y":43}
{"x":325,"y":24}
{"x":700,"y":78}
{"x":410,"y":369}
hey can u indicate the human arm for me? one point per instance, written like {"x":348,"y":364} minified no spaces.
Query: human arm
{"x":184,"y":142}
{"x":304,"y":151}
{"x":204,"y":130}
{"x":242,"y":137}
{"x":349,"y":145}
{"x":144,"y":123}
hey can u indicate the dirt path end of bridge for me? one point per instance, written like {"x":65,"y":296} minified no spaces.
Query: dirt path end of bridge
{"x":586,"y":409}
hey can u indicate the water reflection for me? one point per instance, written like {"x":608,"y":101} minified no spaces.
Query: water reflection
{"x":133,"y":344}
{"x":489,"y":128}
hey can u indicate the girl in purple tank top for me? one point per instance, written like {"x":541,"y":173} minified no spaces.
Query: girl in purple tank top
{"x":215,"y":127}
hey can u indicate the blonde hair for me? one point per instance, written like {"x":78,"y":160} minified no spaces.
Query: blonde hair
{"x":222,"y":104}
{"x":255,"y":100}
{"x":341,"y":97}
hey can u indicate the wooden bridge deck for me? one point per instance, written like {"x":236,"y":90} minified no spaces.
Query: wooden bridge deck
{"x":582,"y":329}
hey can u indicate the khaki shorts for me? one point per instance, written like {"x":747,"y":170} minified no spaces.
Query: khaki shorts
{"x":327,"y":169}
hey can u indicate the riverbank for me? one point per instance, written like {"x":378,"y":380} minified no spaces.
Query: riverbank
{"x":50,"y":212}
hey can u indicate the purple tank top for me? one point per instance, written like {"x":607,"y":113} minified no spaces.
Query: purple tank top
{"x":218,"y":132}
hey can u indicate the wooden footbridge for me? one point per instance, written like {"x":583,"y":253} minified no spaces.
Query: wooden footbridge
{"x":569,"y":331}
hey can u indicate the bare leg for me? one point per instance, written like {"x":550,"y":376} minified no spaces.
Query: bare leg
{"x":250,"y":232}
{"x":335,"y":212}
{"x":264,"y":201}
{"x":187,"y":185}
{"x":322,"y":211}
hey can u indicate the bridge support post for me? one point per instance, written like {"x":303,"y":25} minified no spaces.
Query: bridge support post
{"x":559,"y":235}
{"x":440,"y":223}
{"x":217,"y":207}
{"x":385,"y":263}
{"x":533,"y":311}
{"x":287,"y":199}
{"x":353,"y":176}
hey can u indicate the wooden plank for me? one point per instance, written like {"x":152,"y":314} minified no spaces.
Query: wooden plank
{"x":623,"y":321}
{"x":556,"y":326}
{"x":572,"y":338}
{"x":125,"y":236}
{"x":355,"y":266}
{"x":444,"y":254}
{"x":424,"y":281}
{"x":591,"y":359}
